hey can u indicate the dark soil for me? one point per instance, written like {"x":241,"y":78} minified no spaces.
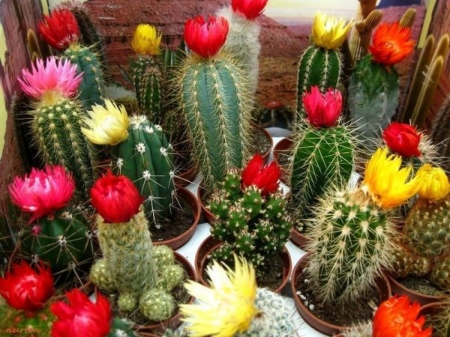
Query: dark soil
{"x":421,"y":285}
{"x":261,"y":144}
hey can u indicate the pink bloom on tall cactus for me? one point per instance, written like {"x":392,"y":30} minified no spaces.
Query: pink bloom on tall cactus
{"x":322,"y":110}
{"x":60,"y":29}
{"x":54,"y":75}
{"x":116,"y":198}
{"x":251,"y":9}
{"x":264,"y":177}
{"x":205,"y":38}
{"x":42,"y":192}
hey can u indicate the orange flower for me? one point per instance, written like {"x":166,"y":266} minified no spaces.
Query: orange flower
{"x":391,"y":43}
{"x":397,"y":317}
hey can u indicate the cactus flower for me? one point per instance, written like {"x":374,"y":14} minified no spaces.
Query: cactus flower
{"x":146,"y":40}
{"x":50,"y":80}
{"x":251,"y":9}
{"x":402,"y":139}
{"x":27,"y":289}
{"x":329,"y":32}
{"x":116,"y":198}
{"x":42,"y":192}
{"x":387,"y":183}
{"x":396,"y":317}
{"x":107,"y":125}
{"x":322,"y":110}
{"x":391,"y":43}
{"x":264,"y":177}
{"x":81,"y":316}
{"x":60,"y":29}
{"x":206,"y":37}
{"x":227,"y":306}
{"x":435,"y":183}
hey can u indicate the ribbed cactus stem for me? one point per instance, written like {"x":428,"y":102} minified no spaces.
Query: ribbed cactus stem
{"x":34,"y":50}
{"x":408,"y":18}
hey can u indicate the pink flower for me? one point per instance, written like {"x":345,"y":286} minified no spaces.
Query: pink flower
{"x":55,"y":75}
{"x":116,"y":198}
{"x":60,"y":29}
{"x":205,"y":38}
{"x":42,"y":192}
{"x":264,"y":177}
{"x":322,"y":110}
{"x":251,"y":9}
{"x":402,"y":139}
{"x":81,"y":317}
{"x":27,"y":289}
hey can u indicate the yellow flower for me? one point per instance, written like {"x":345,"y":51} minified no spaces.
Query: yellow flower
{"x":387,"y":183}
{"x":107,"y":125}
{"x":146,"y":40}
{"x":227,"y":307}
{"x":329,"y":32}
{"x":435,"y":183}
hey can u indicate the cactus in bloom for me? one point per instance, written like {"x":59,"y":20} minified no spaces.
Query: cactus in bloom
{"x":214,"y":98}
{"x":373,"y":91}
{"x":251,"y":220}
{"x":142,"y":275}
{"x":56,"y":123}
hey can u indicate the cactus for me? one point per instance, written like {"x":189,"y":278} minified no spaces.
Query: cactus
{"x":408,"y":18}
{"x":34,"y":50}
{"x":440,"y":131}
{"x":121,"y":328}
{"x":440,"y":274}
{"x":146,"y":158}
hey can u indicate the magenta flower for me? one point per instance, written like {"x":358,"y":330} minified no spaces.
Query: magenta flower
{"x":264,"y":177}
{"x":322,"y":110}
{"x":59,"y":76}
{"x":42,"y":192}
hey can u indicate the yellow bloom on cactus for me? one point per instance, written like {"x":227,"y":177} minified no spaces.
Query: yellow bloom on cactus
{"x":435,"y":183}
{"x":386,"y":182}
{"x":227,"y":307}
{"x":146,"y":40}
{"x":329,"y":32}
{"x":108,"y":125}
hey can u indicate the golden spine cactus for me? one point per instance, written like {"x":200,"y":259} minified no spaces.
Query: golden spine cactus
{"x":408,"y":18}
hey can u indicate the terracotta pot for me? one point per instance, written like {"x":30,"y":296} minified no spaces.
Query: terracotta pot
{"x":314,"y":321}
{"x":284,"y":146}
{"x":299,"y":239}
{"x":188,"y":197}
{"x":210,"y":244}
{"x":210,"y":218}
{"x":398,"y":288}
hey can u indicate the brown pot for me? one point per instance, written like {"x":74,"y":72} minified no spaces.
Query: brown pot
{"x":210,"y":218}
{"x":423,"y":299}
{"x":210,"y":244}
{"x":284,"y":146}
{"x":181,"y":239}
{"x":299,"y":239}
{"x":314,"y":321}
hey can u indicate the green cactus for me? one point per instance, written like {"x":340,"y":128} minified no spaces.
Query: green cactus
{"x":322,"y":158}
{"x":440,"y":274}
{"x":372,"y":97}
{"x":248,"y":223}
{"x":440,"y":132}
{"x":351,"y":241}
{"x":406,"y":263}
{"x":64,"y":240}
{"x":146,"y":158}
{"x":121,"y":328}
{"x":214,"y":99}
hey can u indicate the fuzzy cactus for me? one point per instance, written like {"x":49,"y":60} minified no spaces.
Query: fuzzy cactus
{"x":250,"y":220}
{"x":130,"y":267}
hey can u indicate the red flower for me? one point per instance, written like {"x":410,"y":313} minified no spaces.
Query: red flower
{"x":264,"y":177}
{"x":250,"y":8}
{"x":322,"y":110}
{"x":60,"y":29}
{"x":397,"y":317}
{"x":116,"y":198}
{"x":391,"y":43}
{"x":206,"y":37}
{"x":27,"y":289}
{"x":402,"y":139}
{"x":81,"y":317}
{"x":43,"y":191}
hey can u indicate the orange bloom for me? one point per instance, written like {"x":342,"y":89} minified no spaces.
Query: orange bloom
{"x":391,"y":43}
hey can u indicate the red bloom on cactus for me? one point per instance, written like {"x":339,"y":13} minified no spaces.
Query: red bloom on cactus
{"x":205,"y":38}
{"x":391,"y":43}
{"x":264,"y":177}
{"x":402,"y":139}
{"x":27,"y":289}
{"x":42,"y":192}
{"x":322,"y":110}
{"x":398,"y":317}
{"x":60,"y":29}
{"x":251,"y":9}
{"x":81,"y":317}
{"x":116,"y":198}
